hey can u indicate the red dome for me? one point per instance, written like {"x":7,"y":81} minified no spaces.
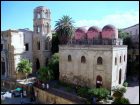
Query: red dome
{"x":80,"y":33}
{"x":93,"y":32}
{"x":109,"y":32}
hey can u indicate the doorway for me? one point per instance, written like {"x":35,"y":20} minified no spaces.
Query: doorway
{"x":99,"y":81}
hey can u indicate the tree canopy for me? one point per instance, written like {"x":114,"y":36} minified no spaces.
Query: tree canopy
{"x":64,"y":29}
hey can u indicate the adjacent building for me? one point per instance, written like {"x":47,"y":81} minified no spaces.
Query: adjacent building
{"x":133,"y":31}
{"x":13,"y":48}
{"x":23,"y":43}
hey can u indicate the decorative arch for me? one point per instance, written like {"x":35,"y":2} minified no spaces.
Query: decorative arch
{"x":99,"y":61}
{"x":98,"y":81}
{"x":83,"y":59}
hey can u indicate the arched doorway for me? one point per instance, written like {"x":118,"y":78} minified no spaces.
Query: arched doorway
{"x":120,"y":75}
{"x":98,"y":81}
{"x":37,"y":64}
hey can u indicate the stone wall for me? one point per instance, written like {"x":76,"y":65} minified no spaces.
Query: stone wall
{"x":46,"y":97}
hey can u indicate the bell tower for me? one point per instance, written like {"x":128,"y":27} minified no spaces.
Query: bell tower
{"x":42,"y":37}
{"x":42,"y":21}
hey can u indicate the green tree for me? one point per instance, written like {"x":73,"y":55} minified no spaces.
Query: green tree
{"x":54,"y":65}
{"x":25,"y":67}
{"x":55,"y":43}
{"x":64,"y":29}
{"x":126,"y":38}
{"x":45,"y":74}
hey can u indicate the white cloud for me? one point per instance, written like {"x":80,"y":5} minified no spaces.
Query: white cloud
{"x":119,"y":20}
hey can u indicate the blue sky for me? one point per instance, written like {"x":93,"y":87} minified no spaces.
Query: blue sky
{"x":19,"y":14}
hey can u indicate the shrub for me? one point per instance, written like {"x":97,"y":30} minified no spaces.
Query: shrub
{"x":118,"y":91}
{"x":69,"y":89}
{"x":83,"y":92}
{"x":125,"y":84}
{"x":121,"y":100}
{"x":99,"y":92}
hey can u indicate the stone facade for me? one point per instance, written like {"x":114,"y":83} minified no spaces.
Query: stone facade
{"x":86,"y":73}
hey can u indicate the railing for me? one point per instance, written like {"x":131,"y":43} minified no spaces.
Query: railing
{"x":95,"y":42}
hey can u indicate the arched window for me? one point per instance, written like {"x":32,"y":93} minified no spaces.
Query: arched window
{"x":38,"y":45}
{"x":99,"y":61}
{"x":120,"y":75}
{"x":38,"y":15}
{"x":124,"y":58}
{"x":115,"y":61}
{"x":69,"y":58}
{"x":83,"y":59}
{"x":120,"y":59}
{"x":38,"y":29}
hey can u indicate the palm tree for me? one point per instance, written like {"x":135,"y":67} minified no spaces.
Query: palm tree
{"x":64,"y":29}
{"x":24,"y":66}
{"x":45,"y":74}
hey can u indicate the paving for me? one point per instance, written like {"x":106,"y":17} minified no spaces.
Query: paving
{"x":132,"y":92}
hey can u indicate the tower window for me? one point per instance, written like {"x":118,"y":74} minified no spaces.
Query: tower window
{"x":83,"y":59}
{"x":69,"y":58}
{"x":99,"y":61}
{"x":38,"y":16}
{"x":38,"y":45}
{"x":26,"y":47}
{"x":38,"y":30}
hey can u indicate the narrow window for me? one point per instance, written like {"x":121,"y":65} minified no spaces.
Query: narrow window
{"x":69,"y":58}
{"x":115,"y":61}
{"x":99,"y":61}
{"x":1,"y":47}
{"x":26,"y":47}
{"x":124,"y":58}
{"x":83,"y":59}
{"x":38,"y":45}
{"x":120,"y":59}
